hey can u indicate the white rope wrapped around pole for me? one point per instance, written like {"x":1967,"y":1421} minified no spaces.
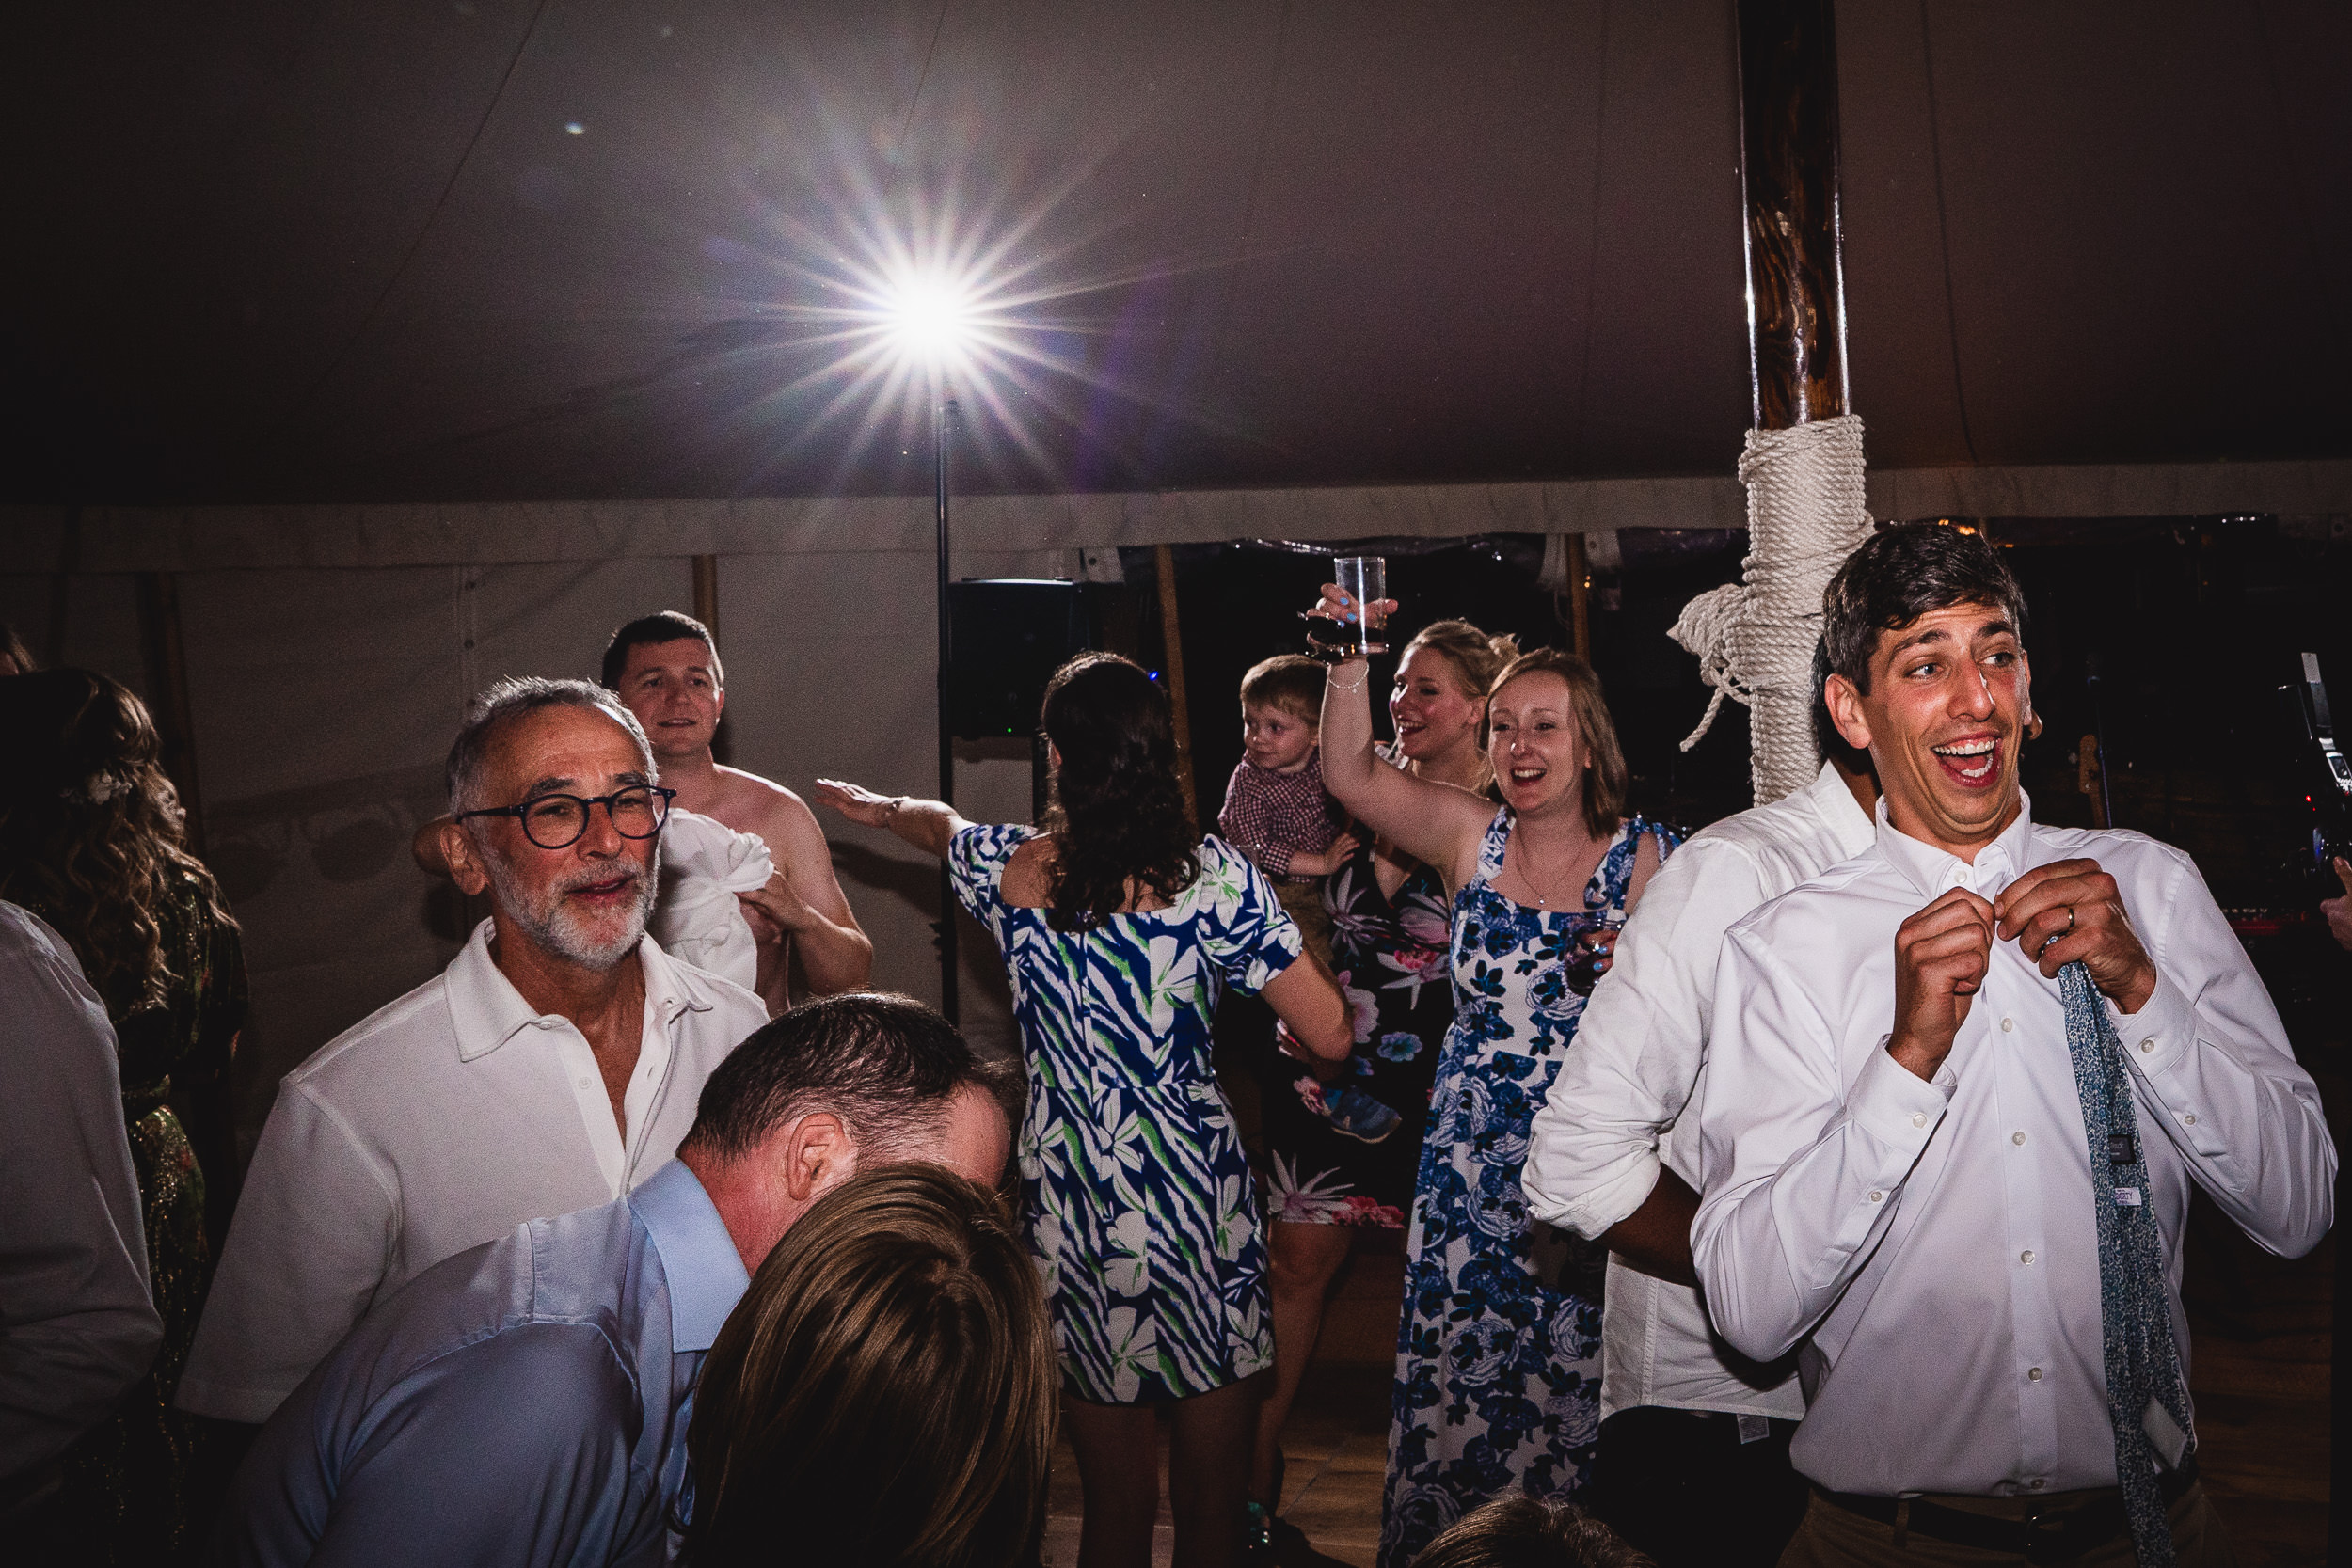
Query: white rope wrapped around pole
{"x":1755,"y":638}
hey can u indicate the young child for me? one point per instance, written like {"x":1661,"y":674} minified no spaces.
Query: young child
{"x":1277,"y":814}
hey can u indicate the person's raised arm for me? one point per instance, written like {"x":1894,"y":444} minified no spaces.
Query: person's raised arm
{"x":1432,"y":822}
{"x":930,"y":826}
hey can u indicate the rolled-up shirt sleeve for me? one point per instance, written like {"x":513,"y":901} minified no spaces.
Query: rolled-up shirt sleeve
{"x":1801,"y":1172}
{"x":2214,"y":1071}
{"x":1597,"y":1144}
{"x":310,"y":1246}
{"x":77,"y":1325}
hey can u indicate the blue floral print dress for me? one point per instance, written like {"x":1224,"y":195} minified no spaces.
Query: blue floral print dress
{"x":1138,"y":1201}
{"x":1498,"y":1366}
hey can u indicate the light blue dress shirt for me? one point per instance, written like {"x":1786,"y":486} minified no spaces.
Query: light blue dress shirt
{"x":522,"y":1403}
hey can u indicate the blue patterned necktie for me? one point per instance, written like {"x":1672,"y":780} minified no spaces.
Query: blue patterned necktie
{"x":2146,"y":1399}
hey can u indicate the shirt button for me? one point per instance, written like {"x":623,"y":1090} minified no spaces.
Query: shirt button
{"x":2026,"y":1256}
{"x":2018,"y":1138}
{"x":1875,"y":1197}
{"x":2037,"y":1483}
{"x":2190,"y":1119}
{"x":2009,"y":1025}
{"x":587,"y":1083}
{"x":1919,"y":1118}
{"x":2033,"y":1374}
{"x":2148,"y":1045}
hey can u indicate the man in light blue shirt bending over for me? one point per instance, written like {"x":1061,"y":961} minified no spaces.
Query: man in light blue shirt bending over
{"x":526,"y":1402}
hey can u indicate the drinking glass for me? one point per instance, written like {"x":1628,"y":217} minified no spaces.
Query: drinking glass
{"x":1362,"y":578}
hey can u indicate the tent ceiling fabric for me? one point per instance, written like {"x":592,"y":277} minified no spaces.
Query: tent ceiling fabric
{"x":299,"y":250}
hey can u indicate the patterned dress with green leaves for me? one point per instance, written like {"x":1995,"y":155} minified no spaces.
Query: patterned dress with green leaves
{"x":1138,"y":1201}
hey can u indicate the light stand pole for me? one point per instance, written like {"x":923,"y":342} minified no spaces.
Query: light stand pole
{"x":941,"y":409}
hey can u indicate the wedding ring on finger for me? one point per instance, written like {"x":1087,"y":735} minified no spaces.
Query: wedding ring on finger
{"x":2056,"y":935}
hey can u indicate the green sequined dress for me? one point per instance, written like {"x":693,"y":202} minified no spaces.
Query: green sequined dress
{"x":131,"y":1484}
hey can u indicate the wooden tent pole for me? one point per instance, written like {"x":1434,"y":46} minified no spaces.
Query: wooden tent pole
{"x":1788,"y":184}
{"x":1579,"y":606}
{"x":706,"y":611}
{"x":1173,"y":639}
{"x":706,"y":592}
{"x":166,"y":656}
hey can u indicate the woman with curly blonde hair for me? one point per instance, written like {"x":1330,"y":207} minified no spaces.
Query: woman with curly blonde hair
{"x":91,"y":840}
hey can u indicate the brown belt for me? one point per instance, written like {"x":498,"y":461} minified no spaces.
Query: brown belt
{"x":2085,"y":1521}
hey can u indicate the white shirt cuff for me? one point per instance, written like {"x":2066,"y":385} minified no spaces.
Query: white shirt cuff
{"x":1893,"y":1105}
{"x":2157,"y":1038}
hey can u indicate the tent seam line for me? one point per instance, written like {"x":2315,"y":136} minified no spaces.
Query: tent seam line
{"x":440,"y":203}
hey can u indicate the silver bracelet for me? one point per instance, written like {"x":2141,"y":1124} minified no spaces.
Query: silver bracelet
{"x":1358,"y":686}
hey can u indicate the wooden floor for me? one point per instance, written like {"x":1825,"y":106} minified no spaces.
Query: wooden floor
{"x":2260,"y":1371}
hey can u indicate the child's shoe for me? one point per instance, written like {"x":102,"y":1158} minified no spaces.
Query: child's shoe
{"x":1356,"y":1115}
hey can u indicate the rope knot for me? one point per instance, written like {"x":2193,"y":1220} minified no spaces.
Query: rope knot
{"x":1754,"y":637}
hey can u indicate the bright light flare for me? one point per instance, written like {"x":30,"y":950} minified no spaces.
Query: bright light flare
{"x":930,"y":318}
{"x":898,"y":311}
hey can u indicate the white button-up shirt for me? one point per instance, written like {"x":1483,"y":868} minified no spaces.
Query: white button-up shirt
{"x":1615,"y":1114}
{"x":77,"y":1327}
{"x":442,"y":1121}
{"x":1931,"y":1244}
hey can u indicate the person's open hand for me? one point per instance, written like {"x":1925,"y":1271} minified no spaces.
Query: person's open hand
{"x":858,"y":804}
{"x":2339,"y":911}
{"x":2070,"y":909}
{"x":1941,"y":956}
{"x":1322,"y":862}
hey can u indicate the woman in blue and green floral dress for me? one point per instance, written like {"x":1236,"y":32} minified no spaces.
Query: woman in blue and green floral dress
{"x":1497,"y":1385}
{"x":1120,"y":930}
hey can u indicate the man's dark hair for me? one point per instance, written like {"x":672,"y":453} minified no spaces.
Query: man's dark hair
{"x":1902,"y":573}
{"x":1525,"y":1532}
{"x":667,"y":625}
{"x":886,"y":1065}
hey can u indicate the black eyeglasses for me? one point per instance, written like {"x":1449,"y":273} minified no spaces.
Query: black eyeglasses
{"x":557,"y":821}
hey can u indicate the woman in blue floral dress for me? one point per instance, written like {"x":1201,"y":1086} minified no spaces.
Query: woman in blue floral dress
{"x":1497,"y":1385}
{"x":1121,"y":930}
{"x":1390,"y":926}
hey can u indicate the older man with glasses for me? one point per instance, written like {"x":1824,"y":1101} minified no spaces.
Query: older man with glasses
{"x":552,"y":1067}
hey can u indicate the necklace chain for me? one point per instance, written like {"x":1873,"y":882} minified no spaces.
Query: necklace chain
{"x":1527,"y":859}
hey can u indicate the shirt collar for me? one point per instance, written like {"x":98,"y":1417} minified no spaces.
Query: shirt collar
{"x":1935,"y":871}
{"x":704,"y":1273}
{"x":1853,"y":827}
{"x":488,"y":1011}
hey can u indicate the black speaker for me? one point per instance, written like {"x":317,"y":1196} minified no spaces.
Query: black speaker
{"x":1006,"y":636}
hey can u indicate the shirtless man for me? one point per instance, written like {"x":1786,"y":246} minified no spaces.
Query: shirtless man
{"x":665,"y":667}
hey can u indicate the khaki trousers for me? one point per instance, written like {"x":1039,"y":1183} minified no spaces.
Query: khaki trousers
{"x":1830,"y":1537}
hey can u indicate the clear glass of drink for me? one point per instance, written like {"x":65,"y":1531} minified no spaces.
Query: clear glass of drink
{"x":1363,"y":578}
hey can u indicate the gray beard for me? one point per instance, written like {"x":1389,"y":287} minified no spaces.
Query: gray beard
{"x":553,"y":926}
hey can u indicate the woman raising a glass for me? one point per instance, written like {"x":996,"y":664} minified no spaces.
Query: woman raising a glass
{"x":1497,"y":1381}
